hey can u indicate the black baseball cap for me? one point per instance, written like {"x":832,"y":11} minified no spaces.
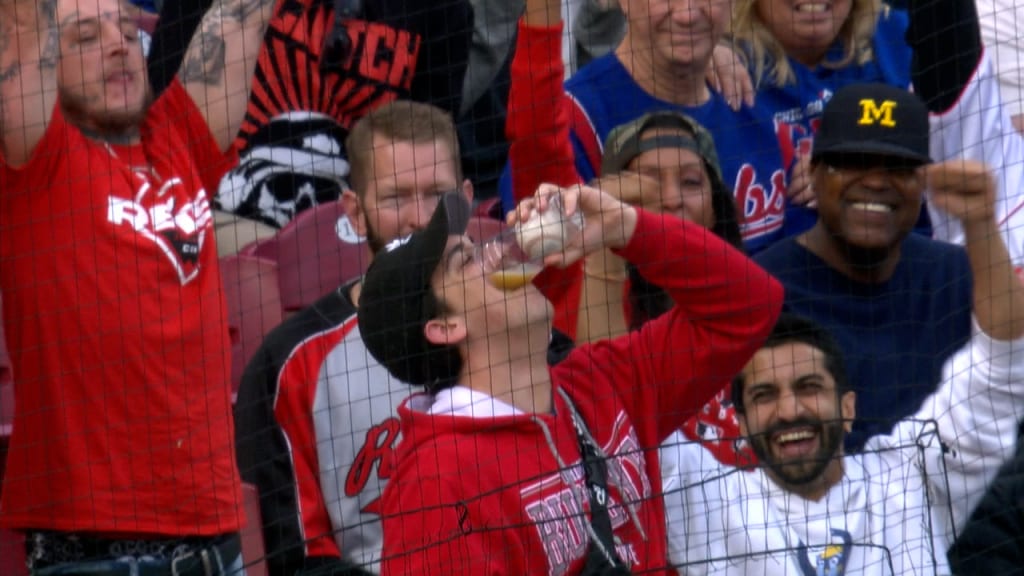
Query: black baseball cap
{"x":874,"y":119}
{"x":396,"y":300}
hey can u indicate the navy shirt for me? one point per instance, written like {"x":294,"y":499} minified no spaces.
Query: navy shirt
{"x":895,"y":336}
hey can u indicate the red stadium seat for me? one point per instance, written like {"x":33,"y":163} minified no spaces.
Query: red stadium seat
{"x":254,"y":306}
{"x":6,"y":371}
{"x":6,"y":395}
{"x":316,"y":252}
{"x":482,"y":228}
{"x":253,"y":550}
{"x":12,"y":553}
{"x":490,"y":208}
{"x":265,"y":248}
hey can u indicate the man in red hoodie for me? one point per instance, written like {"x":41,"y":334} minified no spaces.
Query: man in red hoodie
{"x":508,"y":466}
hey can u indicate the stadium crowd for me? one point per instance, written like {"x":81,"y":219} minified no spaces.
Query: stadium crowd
{"x":567,"y":287}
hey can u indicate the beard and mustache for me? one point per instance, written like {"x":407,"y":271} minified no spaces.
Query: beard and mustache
{"x":373,"y":239}
{"x":801,"y":471}
{"x":107,"y":125}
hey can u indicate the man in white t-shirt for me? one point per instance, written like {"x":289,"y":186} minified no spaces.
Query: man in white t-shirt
{"x":896,"y":507}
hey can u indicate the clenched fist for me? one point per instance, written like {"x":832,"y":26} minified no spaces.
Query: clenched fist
{"x":964,"y":189}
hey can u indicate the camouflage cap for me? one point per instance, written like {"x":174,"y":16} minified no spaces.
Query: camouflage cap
{"x":625,"y":142}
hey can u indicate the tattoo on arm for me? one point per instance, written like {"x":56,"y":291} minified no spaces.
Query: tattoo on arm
{"x":205,"y":61}
{"x":49,"y":53}
{"x":11,"y":70}
{"x":242,"y":10}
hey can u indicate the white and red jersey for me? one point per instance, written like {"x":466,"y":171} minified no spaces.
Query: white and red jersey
{"x":117,"y":328}
{"x":317,"y":427}
{"x":978,"y":127}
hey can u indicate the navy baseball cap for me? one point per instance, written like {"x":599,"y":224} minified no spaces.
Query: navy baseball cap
{"x":396,"y":300}
{"x":874,"y":119}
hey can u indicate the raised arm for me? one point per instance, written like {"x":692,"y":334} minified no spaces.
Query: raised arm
{"x":537,"y":127}
{"x":981,"y":399}
{"x":538,"y":122}
{"x":966,"y":190}
{"x":220,"y":62}
{"x":29,"y":49}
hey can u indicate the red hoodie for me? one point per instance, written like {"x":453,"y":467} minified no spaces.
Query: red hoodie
{"x":539,"y":120}
{"x":503,"y":493}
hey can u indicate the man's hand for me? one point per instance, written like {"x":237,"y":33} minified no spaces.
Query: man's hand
{"x":633,"y":188}
{"x":607,"y":222}
{"x":799,"y":192}
{"x":543,"y":13}
{"x":964,"y":189}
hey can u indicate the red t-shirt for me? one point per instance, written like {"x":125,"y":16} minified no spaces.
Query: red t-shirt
{"x":117,"y":328}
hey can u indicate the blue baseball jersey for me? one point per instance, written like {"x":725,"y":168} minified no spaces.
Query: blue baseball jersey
{"x":605,"y":96}
{"x":795,"y":109}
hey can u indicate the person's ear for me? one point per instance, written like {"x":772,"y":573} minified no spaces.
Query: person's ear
{"x":445,"y":331}
{"x":848,"y":409}
{"x":354,"y":210}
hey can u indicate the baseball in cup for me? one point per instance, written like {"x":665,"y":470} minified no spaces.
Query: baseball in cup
{"x":513,"y":258}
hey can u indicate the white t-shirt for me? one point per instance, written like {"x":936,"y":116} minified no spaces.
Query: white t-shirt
{"x":894,"y":511}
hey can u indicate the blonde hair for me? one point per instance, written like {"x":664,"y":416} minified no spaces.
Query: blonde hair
{"x":768,"y":58}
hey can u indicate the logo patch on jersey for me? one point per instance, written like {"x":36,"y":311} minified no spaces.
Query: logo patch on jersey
{"x":828,"y":560}
{"x":761,"y":207}
{"x":874,"y":113}
{"x":377,"y":451}
{"x":178,"y":228}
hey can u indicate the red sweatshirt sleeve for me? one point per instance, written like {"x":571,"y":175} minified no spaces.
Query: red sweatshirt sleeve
{"x":726,"y":305}
{"x":540,"y":150}
{"x":537,"y":125}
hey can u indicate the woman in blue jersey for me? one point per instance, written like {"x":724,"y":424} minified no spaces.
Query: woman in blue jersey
{"x":661,"y":65}
{"x":800,"y":52}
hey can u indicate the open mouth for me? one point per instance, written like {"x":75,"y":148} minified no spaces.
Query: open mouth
{"x":873,"y":207}
{"x":796,"y":442}
{"x":119,"y":78}
{"x":812,"y":7}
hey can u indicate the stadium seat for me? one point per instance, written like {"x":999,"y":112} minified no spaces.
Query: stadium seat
{"x":253,"y":551}
{"x":254,"y":306}
{"x":482,"y":228}
{"x":6,"y":371}
{"x":12,"y":553}
{"x":6,"y":394}
{"x":490,"y":208}
{"x":316,"y":252}
{"x":236,"y":235}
